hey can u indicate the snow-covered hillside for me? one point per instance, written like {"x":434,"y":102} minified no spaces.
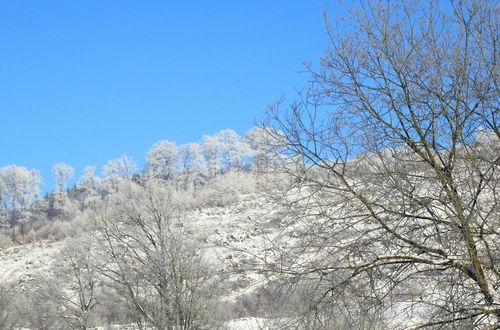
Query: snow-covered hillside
{"x":233,"y":238}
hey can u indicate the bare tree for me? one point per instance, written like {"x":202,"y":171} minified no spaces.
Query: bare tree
{"x":395,"y":153}
{"x":78,"y":300}
{"x":149,"y":258}
{"x":37,"y":309}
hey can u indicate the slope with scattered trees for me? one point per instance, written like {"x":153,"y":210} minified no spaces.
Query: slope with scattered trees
{"x":371,"y":202}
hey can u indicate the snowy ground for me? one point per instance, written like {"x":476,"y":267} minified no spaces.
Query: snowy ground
{"x":234,"y":238}
{"x":20,"y":264}
{"x":250,"y":323}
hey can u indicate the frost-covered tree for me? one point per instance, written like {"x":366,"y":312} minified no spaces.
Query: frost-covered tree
{"x":224,"y":150}
{"x":212,"y":150}
{"x":262,"y":149}
{"x":192,"y":158}
{"x":192,"y":162}
{"x":88,"y":178}
{"x":117,"y":170}
{"x":234,"y":149}
{"x":18,"y":189}
{"x":58,"y":200}
{"x":161,"y":159}
{"x":121,"y":167}
{"x":87,"y":188}
{"x":62,"y":174}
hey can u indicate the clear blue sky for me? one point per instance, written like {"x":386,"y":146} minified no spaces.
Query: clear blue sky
{"x":84,"y":81}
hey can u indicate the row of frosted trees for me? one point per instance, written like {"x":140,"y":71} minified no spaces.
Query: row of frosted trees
{"x":216,"y":154}
{"x":189,"y":165}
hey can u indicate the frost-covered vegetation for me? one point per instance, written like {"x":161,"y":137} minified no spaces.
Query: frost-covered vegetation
{"x":129,"y":248}
{"x":371,"y":203}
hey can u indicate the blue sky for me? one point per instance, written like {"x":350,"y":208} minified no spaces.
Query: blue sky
{"x":86,"y":81}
